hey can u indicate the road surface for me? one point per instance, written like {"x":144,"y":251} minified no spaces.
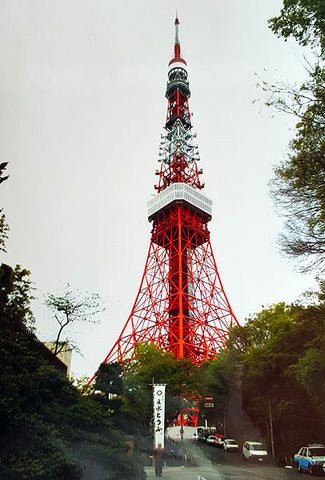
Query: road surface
{"x":211,"y":463}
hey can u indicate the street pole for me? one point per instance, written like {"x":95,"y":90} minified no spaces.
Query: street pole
{"x":224,"y":423}
{"x":271,"y":428}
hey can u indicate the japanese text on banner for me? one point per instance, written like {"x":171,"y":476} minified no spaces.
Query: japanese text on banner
{"x":159,"y":413}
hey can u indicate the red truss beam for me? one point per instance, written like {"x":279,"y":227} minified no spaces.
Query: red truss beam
{"x":181,"y":305}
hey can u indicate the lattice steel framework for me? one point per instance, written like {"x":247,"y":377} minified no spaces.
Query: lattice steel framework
{"x":181,"y":305}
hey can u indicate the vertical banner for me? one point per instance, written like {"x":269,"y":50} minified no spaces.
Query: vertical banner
{"x":159,"y":414}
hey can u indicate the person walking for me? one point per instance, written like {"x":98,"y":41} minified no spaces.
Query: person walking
{"x":158,"y":459}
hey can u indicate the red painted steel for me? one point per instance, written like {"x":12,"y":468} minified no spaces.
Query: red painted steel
{"x":181,"y":305}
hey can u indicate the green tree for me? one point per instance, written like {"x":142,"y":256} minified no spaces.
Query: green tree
{"x":221,"y":376}
{"x":82,"y":384}
{"x":303,"y":20}
{"x":276,"y":378}
{"x":109,"y":382}
{"x":108,"y":379}
{"x":154,"y":365}
{"x":16,"y":294}
{"x":30,"y":447}
{"x":70,"y":308}
{"x":149,"y":365}
{"x":47,"y":429}
{"x":310,"y":368}
{"x":4,"y":230}
{"x":298,"y":185}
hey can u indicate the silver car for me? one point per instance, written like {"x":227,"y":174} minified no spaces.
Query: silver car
{"x":210,"y":440}
{"x":230,"y":445}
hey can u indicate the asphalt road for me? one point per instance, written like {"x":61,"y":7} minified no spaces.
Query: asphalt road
{"x":231,"y":466}
{"x":211,"y":463}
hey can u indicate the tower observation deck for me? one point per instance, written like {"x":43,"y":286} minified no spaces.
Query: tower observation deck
{"x":181,"y":305}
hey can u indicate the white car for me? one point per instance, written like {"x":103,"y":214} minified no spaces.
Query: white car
{"x":230,"y":445}
{"x":211,"y":439}
{"x":254,"y":452}
{"x":311,"y":459}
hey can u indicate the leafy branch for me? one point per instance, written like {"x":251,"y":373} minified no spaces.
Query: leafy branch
{"x":72,"y":307}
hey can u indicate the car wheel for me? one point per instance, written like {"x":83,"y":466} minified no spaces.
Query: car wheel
{"x":310,"y":469}
{"x":299,"y":467}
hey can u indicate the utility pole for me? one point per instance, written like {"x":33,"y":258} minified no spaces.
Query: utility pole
{"x":271,"y":428}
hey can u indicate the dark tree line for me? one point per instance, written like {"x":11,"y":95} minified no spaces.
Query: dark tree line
{"x":275,"y":362}
{"x":48,"y":429}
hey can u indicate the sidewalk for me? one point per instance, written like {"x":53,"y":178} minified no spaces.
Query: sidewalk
{"x":177,"y":473}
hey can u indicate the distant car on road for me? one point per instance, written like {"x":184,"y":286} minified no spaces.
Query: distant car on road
{"x":230,"y":445}
{"x":254,"y":452}
{"x":210,"y":439}
{"x":311,"y":459}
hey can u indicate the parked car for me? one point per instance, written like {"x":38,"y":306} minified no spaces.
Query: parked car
{"x":230,"y":445}
{"x":254,"y":452}
{"x":219,"y":439}
{"x":311,"y":459}
{"x":210,"y":440}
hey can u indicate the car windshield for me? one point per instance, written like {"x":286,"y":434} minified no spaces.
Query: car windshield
{"x":317,"y":451}
{"x":231,"y":442}
{"x":257,"y":446}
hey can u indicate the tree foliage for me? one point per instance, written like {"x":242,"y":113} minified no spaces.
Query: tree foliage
{"x":72,"y":307}
{"x":298,"y":186}
{"x":282,"y":353}
{"x":154,"y":365}
{"x":108,"y":379}
{"x":4,"y":230}
{"x":220,"y":377}
{"x":303,"y":20}
{"x":47,"y":429}
{"x":109,"y":382}
{"x":16,"y":294}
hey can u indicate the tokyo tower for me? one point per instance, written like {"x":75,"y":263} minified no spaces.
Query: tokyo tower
{"x":181,"y":305}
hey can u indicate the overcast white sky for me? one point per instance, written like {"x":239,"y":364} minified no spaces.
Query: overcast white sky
{"x":82,"y":107}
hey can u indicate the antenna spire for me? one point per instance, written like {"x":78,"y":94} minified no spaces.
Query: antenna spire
{"x":177,"y":47}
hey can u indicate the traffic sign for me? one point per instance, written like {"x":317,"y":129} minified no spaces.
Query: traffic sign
{"x":208,"y":398}
{"x":209,"y":404}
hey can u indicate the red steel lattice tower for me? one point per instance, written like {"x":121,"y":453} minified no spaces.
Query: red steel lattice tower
{"x":181,"y":305}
